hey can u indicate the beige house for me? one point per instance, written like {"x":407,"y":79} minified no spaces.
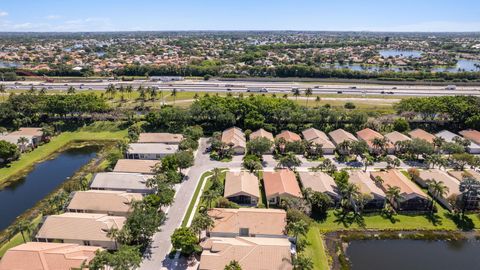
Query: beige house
{"x":166,"y":138}
{"x":252,"y":253}
{"x":143,"y":166}
{"x":436,"y":175}
{"x":369,"y":135}
{"x":366,"y":186}
{"x":80,"y":228}
{"x":396,"y":136}
{"x":460,"y":175}
{"x":128,"y":182}
{"x":261,"y":133}
{"x":320,"y":182}
{"x":422,"y":135}
{"x":319,"y":137}
{"x":33,"y":137}
{"x":113,"y":203}
{"x":235,"y":138}
{"x":413,"y":198}
{"x":248,"y":222}
{"x":338,"y":136}
{"x":47,"y":256}
{"x":288,"y":136}
{"x":151,"y":151}
{"x":281,"y":183}
{"x":242,"y":188}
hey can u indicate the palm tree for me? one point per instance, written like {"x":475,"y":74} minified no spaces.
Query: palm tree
{"x":22,"y":227}
{"x":174,"y":95}
{"x":344,"y":147}
{"x":202,"y":222}
{"x":349,"y":194}
{"x":23,"y":142}
{"x":113,"y":234}
{"x":43,"y":91}
{"x":209,"y":196}
{"x":129,"y":90}
{"x":379,"y":144}
{"x":71,"y":90}
{"x":438,"y":189}
{"x":296,"y":93}
{"x":297,"y":228}
{"x":233,"y":265}
{"x":368,"y":161}
{"x":308,"y":93}
{"x":378,"y":180}
{"x":393,"y":194}
{"x":3,"y":90}
{"x":438,"y":142}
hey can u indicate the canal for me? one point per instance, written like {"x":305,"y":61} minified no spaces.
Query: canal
{"x":413,"y":254}
{"x":45,"y":177}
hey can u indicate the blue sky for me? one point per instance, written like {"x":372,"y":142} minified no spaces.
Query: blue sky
{"x":344,"y":15}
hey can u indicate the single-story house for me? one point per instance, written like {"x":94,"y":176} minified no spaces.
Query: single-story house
{"x":288,"y":136}
{"x":33,"y":137}
{"x":436,"y":175}
{"x":368,"y":135}
{"x":471,"y":134}
{"x":448,"y":136}
{"x":35,"y":133}
{"x":248,"y":222}
{"x":113,"y":203}
{"x":261,"y":133}
{"x":319,"y":137}
{"x":152,"y":151}
{"x":235,"y":138}
{"x":413,"y":198}
{"x":144,"y":166}
{"x":166,"y":138}
{"x":339,"y":135}
{"x":460,"y":175}
{"x":242,"y":188}
{"x":422,"y":135}
{"x":80,"y":228}
{"x":396,"y":136}
{"x":320,"y":182}
{"x":281,"y":183}
{"x":366,"y":186}
{"x":47,"y":256}
{"x":252,"y":253}
{"x":128,"y":182}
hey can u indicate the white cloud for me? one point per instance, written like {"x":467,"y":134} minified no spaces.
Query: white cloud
{"x":73,"y":25}
{"x":53,"y":17}
{"x":3,"y":13}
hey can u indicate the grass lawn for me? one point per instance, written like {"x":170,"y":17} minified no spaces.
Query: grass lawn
{"x":316,"y":249}
{"x":98,"y":131}
{"x":18,"y":239}
{"x":194,"y":198}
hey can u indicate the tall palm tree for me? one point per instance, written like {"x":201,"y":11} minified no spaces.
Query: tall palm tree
{"x":308,"y":93}
{"x":3,"y":91}
{"x":367,"y":161}
{"x":349,"y":194}
{"x":71,"y":90}
{"x":393,"y":194}
{"x":23,"y":142}
{"x":22,"y":227}
{"x":174,"y":95}
{"x":202,"y":222}
{"x":209,"y":196}
{"x":344,"y":147}
{"x":438,"y":189}
{"x":438,"y":142}
{"x":43,"y":91}
{"x":379,"y":144}
{"x":296,"y":93}
{"x":297,"y":228}
{"x":113,"y":234}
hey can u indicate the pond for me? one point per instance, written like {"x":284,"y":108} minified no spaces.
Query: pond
{"x":413,"y":254}
{"x":404,"y":53}
{"x":9,"y":64}
{"x":462,"y":65}
{"x":23,"y":194}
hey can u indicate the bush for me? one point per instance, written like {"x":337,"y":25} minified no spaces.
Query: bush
{"x":225,"y":203}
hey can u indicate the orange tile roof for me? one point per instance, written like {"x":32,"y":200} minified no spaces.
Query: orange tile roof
{"x":459,"y":174}
{"x":24,"y":131}
{"x":241,"y":183}
{"x":368,"y":135}
{"x":421,"y":134}
{"x":395,"y":178}
{"x":103,"y":201}
{"x":259,"y":221}
{"x":261,"y":133}
{"x":288,"y":136}
{"x":159,"y":138}
{"x":282,"y":182}
{"x":472,"y":135}
{"x":47,"y":256}
{"x":234,"y":136}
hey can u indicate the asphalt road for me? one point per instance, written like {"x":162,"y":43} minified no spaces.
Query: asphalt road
{"x":271,"y":87}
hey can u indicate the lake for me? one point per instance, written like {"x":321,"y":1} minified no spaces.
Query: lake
{"x":413,"y":254}
{"x":23,"y":194}
{"x":404,"y":53}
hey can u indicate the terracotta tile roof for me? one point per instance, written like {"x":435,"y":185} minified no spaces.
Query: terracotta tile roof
{"x":365,"y":183}
{"x":396,"y":136}
{"x":338,"y":136}
{"x":318,"y":137}
{"x":47,"y":256}
{"x":252,"y":253}
{"x":258,"y":221}
{"x":395,"y":178}
{"x":281,"y":182}
{"x":103,"y":201}
{"x":79,"y":226}
{"x":459,"y":174}
{"x":421,"y":134}
{"x":169,"y":138}
{"x":368,"y":135}
{"x":24,"y":131}
{"x":235,"y":137}
{"x":320,"y":182}
{"x":241,"y":183}
{"x":135,"y":166}
{"x":261,"y":133}
{"x":439,"y":176}
{"x":288,"y":136}
{"x":472,"y":135}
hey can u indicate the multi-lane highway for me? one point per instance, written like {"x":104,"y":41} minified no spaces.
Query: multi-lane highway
{"x":249,"y":86}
